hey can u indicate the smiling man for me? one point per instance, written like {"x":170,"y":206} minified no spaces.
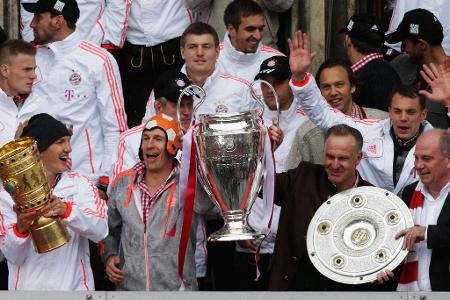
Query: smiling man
{"x":300,"y":192}
{"x":74,"y":199}
{"x":428,"y":242}
{"x":388,"y":144}
{"x":337,"y":83}
{"x":142,"y":249}
{"x":224,"y":92}
{"x":242,"y":51}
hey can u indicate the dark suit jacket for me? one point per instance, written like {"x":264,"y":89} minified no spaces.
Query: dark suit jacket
{"x":438,"y":240}
{"x":299,"y":192}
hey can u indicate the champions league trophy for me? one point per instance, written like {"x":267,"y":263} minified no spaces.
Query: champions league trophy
{"x":23,"y":177}
{"x":230,"y":162}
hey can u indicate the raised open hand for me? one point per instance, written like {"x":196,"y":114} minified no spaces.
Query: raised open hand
{"x":300,"y":58}
{"x":438,"y":78}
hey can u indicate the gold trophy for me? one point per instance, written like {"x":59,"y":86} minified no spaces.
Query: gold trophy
{"x":23,"y":177}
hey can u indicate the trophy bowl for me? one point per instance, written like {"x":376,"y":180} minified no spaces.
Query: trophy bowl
{"x":23,"y":177}
{"x":230,"y":148}
{"x":352,"y":235}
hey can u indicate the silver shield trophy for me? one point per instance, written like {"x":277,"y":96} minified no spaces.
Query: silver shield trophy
{"x":352,"y":235}
{"x":230,"y":148}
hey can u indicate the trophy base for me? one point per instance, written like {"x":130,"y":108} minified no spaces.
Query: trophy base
{"x":235,"y":229}
{"x":49,"y":234}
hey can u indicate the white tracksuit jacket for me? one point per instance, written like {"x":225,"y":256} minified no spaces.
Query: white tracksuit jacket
{"x":100,"y":22}
{"x":80,"y":84}
{"x":65,"y":268}
{"x":224,"y":93}
{"x":376,"y":166}
{"x":240,"y":64}
{"x":152,"y":22}
{"x":11,"y":115}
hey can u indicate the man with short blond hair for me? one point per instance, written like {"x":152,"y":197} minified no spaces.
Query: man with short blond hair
{"x":17,"y":74}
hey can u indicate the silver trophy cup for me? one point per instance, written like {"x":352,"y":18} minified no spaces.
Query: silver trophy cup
{"x":230,"y":148}
{"x":230,"y":151}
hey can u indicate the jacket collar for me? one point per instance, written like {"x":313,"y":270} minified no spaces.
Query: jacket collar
{"x":387,"y":125}
{"x":286,"y":116}
{"x":65,"y":46}
{"x":217,"y":72}
{"x":235,"y":56}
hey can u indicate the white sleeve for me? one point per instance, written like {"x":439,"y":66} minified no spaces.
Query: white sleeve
{"x":86,"y":214}
{"x":125,"y":158}
{"x":114,"y":20}
{"x":13,"y":244}
{"x":112,"y":111}
{"x":318,"y":110}
{"x":25,"y":21}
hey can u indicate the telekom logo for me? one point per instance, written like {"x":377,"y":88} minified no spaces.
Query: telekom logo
{"x":69,"y":95}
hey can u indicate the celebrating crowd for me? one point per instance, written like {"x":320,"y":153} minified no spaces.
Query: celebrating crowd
{"x":98,"y":85}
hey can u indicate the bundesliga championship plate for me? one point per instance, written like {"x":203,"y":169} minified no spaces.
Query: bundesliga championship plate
{"x":352,"y":235}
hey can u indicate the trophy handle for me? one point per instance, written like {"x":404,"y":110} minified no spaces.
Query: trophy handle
{"x":254,"y":96}
{"x":189,"y":91}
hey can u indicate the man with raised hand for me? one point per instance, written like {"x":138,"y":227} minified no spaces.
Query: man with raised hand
{"x":388,"y":145}
{"x":421,"y":35}
{"x":337,"y":84}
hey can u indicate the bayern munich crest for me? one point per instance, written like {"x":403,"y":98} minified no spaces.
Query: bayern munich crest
{"x":271,"y":63}
{"x":180,"y":82}
{"x":75,"y":78}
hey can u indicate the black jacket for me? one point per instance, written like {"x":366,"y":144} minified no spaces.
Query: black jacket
{"x":300,"y":192}
{"x":375,"y":82}
{"x":438,"y":240}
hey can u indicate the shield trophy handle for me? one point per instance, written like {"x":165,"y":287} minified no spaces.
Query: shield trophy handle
{"x":190,"y":91}
{"x":261,"y":102}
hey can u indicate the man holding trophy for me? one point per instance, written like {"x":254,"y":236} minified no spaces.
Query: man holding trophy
{"x":73,"y":199}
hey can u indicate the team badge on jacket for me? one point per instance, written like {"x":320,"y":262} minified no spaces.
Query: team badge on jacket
{"x":221,"y":108}
{"x":75,"y":78}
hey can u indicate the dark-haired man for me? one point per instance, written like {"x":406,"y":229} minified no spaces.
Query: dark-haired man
{"x":337,"y":83}
{"x":242,"y":51}
{"x":212,"y":12}
{"x":421,"y":35}
{"x":80,"y":85}
{"x":388,"y":144}
{"x":363,"y":42}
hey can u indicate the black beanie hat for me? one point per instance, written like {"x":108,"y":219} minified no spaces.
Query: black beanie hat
{"x":45,"y":130}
